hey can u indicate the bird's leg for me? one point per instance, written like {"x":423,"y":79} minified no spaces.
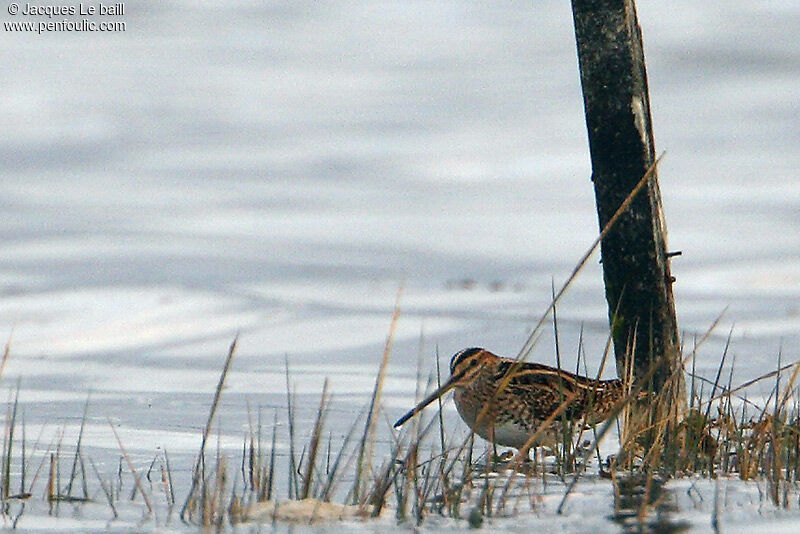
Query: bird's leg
{"x":527,"y":458}
{"x":494,"y":444}
{"x":497,"y":458}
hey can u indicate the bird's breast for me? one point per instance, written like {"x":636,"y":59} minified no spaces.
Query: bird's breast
{"x":489,"y":418}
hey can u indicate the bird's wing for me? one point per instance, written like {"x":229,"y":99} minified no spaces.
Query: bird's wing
{"x":545,"y":389}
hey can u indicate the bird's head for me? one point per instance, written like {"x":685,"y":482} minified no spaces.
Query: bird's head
{"x":464,"y":366}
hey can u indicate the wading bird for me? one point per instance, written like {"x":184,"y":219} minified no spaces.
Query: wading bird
{"x":505,"y":401}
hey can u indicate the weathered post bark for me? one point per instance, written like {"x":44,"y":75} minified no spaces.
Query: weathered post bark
{"x":634,"y":256}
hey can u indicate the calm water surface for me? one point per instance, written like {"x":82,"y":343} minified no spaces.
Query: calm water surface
{"x":279,"y":169}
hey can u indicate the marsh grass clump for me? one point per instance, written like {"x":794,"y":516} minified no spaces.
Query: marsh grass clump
{"x":425,"y":471}
{"x":62,"y":474}
{"x":723,"y":433}
{"x":370,"y":470}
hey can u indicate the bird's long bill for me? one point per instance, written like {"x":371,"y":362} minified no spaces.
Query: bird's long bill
{"x":447,"y":386}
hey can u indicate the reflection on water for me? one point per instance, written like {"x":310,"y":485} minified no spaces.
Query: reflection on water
{"x":643,"y":505}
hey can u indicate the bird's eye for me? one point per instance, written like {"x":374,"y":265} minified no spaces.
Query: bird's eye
{"x":473,"y":363}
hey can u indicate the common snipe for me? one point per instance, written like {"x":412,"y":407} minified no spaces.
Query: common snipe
{"x":510,"y":415}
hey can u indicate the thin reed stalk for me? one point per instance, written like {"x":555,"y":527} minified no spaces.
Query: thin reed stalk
{"x":197,"y":473}
{"x":132,"y":469}
{"x":314,"y":443}
{"x":367,"y":439}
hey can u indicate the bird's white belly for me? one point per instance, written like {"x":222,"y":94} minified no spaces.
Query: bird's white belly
{"x":511,"y":435}
{"x":506,"y":434}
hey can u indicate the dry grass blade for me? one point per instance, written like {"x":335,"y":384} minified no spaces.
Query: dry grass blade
{"x":41,"y":462}
{"x":787,"y":389}
{"x":24,"y":463}
{"x":367,"y":439}
{"x":523,"y":353}
{"x":593,"y":392}
{"x":444,"y":480}
{"x":6,"y":353}
{"x":330,"y":485}
{"x":719,"y":369}
{"x":169,"y":480}
{"x":271,"y":472}
{"x":51,"y":491}
{"x":197,"y":472}
{"x":131,"y":468}
{"x":105,"y":488}
{"x":76,"y":458}
{"x":293,"y":483}
{"x":522,"y":453}
{"x":8,"y":445}
{"x":314,"y":444}
{"x":631,"y":396}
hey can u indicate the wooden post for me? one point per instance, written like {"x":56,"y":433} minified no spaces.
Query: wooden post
{"x":634,"y":256}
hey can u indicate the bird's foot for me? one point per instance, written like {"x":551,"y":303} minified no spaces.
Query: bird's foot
{"x":502,"y":458}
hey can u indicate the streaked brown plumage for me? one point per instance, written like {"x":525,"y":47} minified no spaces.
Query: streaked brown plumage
{"x":532,"y":393}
